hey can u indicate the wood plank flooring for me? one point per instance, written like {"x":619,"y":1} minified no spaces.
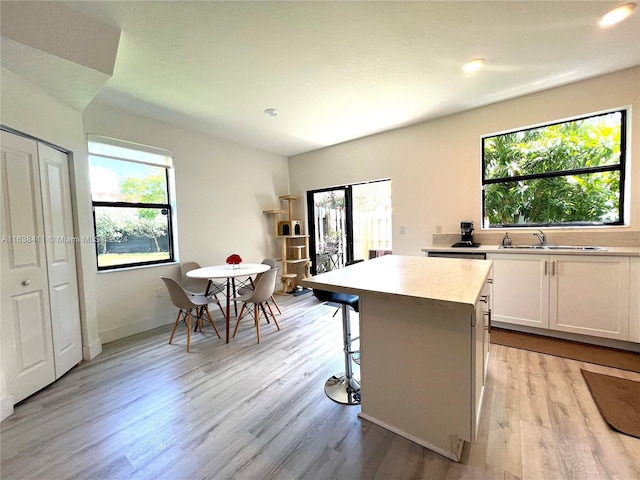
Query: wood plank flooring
{"x":144,"y":409}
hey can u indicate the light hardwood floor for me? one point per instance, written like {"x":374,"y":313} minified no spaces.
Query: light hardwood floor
{"x":144,"y":409}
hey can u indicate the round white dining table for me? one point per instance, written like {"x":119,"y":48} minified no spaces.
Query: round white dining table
{"x":230,"y":273}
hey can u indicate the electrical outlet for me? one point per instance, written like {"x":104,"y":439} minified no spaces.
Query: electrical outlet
{"x":402,"y":231}
{"x":438,"y":228}
{"x":159,"y":292}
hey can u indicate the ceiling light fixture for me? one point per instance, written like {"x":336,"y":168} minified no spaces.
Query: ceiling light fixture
{"x":616,"y":15}
{"x":271,"y":112}
{"x":473,"y":65}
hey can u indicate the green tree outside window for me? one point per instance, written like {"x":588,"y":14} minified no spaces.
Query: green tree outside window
{"x":568,"y":173}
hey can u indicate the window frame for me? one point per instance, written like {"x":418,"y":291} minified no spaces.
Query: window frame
{"x":620,"y":167}
{"x":168,"y":206}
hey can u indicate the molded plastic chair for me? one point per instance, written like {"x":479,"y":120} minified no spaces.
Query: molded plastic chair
{"x":249,"y":288}
{"x":187,"y":303}
{"x":263,"y":290}
{"x":200,"y":286}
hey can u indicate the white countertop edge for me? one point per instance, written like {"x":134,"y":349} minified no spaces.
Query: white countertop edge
{"x":623,"y":251}
{"x":310,"y":283}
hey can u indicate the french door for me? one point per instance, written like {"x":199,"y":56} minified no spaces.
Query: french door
{"x":330,"y":231}
{"x":347,"y":223}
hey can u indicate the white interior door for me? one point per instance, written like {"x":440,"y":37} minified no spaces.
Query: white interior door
{"x":27,"y":347}
{"x":61,"y":259}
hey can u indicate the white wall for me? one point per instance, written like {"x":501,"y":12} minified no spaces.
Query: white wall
{"x":435,"y":167}
{"x":222,"y":189}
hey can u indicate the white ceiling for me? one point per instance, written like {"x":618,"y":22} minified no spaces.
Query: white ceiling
{"x":343,"y":70}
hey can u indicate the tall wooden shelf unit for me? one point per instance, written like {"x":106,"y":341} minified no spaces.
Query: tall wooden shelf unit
{"x":295,"y":245}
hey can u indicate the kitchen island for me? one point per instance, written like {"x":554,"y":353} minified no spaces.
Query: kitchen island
{"x":423,"y":344}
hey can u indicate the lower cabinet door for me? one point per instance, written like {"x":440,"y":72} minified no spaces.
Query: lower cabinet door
{"x":521,"y":289}
{"x":590,"y":295}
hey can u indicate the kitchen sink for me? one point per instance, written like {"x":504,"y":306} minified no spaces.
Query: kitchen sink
{"x":573,"y":247}
{"x":554,"y":247}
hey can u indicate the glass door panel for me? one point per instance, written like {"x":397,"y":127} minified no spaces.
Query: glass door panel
{"x":329,"y":243}
{"x":351,"y":222}
{"x":371,"y":219}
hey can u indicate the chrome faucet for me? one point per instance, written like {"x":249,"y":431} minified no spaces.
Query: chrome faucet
{"x":540,"y":236}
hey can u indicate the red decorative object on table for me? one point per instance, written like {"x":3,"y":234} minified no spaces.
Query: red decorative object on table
{"x":234,"y":260}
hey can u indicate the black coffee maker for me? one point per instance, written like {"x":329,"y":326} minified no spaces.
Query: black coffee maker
{"x":466,"y":235}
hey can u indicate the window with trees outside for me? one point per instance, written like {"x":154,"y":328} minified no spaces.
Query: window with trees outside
{"x":130,"y":191}
{"x":568,"y":173}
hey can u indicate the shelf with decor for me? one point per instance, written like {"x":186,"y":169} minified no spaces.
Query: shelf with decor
{"x":294,"y":244}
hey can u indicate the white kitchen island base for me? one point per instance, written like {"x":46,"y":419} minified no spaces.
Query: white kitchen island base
{"x":417,"y":370}
{"x":422,"y":345}
{"x":454,"y":452}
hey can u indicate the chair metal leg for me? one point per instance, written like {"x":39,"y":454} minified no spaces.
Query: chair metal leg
{"x":214,"y":296}
{"x":256,"y":315}
{"x":344,"y":388}
{"x":235,"y":304}
{"x":189,"y":331}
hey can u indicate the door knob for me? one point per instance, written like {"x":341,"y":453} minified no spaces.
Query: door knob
{"x":26,"y":282}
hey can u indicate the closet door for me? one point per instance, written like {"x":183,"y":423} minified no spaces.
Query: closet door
{"x":61,"y":259}
{"x":25,"y":324}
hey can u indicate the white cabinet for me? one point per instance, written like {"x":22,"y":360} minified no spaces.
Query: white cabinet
{"x":634,"y":300}
{"x":521,"y":289}
{"x":570,"y":293}
{"x":590,"y":295}
{"x":480,"y":353}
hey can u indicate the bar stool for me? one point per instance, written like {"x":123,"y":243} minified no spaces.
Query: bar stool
{"x":343,"y":387}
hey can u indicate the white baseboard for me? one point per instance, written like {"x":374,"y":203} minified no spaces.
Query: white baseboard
{"x":92,"y":350}
{"x":6,"y":407}
{"x":576,"y":337}
{"x":132,"y":328}
{"x":454,"y":453}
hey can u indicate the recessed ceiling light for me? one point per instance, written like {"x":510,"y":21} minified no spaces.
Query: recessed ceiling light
{"x":473,"y":65}
{"x":616,"y":15}
{"x":271,"y":112}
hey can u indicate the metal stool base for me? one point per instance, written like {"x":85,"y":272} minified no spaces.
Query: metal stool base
{"x":338,"y":389}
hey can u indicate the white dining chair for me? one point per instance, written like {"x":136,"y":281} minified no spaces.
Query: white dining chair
{"x":200,"y":286}
{"x":257,"y":298}
{"x":187,"y":303}
{"x":249,"y":288}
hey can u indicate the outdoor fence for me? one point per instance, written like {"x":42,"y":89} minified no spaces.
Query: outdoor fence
{"x":371,"y":231}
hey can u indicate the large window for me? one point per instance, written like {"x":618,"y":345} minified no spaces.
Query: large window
{"x":130,"y":190}
{"x":562,"y":174}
